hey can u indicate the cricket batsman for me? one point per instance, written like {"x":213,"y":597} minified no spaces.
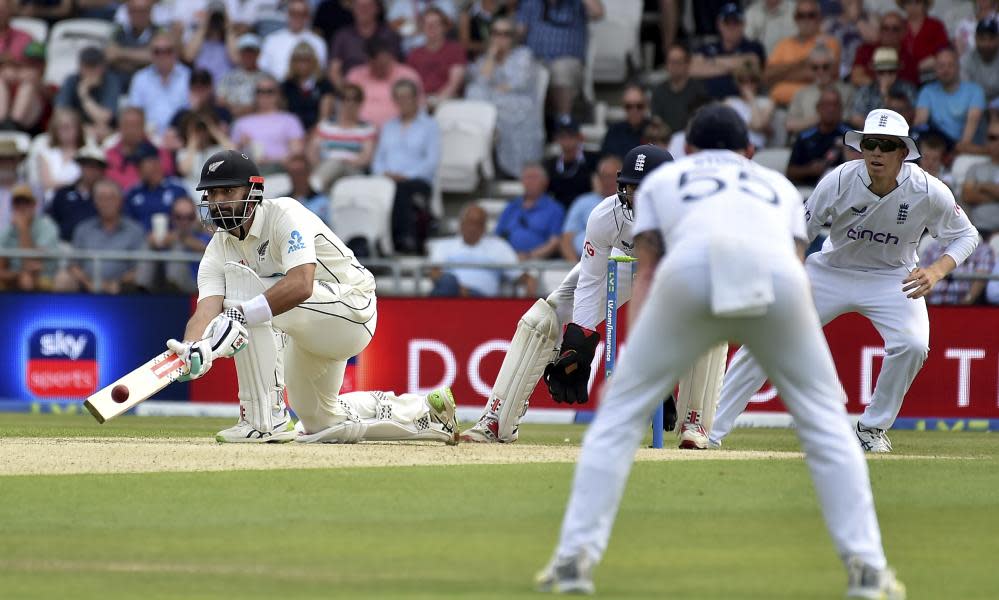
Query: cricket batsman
{"x":286,"y":298}
{"x":580,"y":304}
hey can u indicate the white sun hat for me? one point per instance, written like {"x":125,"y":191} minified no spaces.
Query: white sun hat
{"x":883,"y":122}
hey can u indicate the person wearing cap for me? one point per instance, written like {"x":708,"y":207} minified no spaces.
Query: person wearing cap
{"x":237,"y":88}
{"x":275,"y":53}
{"x":879,"y":207}
{"x":28,"y":230}
{"x":74,"y":203}
{"x":981,"y":65}
{"x":155,"y":192}
{"x":161,"y":88}
{"x":94,"y":91}
{"x":874,"y":95}
{"x":570,"y":173}
{"x":673,"y":100}
{"x":715,"y":62}
{"x":951,"y":106}
{"x":962,"y":22}
{"x":349,"y":46}
{"x":735,"y":234}
{"x":802,"y":113}
{"x":291,"y":312}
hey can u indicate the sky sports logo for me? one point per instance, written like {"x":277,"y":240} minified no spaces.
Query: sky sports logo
{"x":62,"y":362}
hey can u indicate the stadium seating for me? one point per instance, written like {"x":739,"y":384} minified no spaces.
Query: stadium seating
{"x":277,"y":185}
{"x":467,"y":129}
{"x":66,"y":39}
{"x":361,"y":206}
{"x":615,"y":42}
{"x":36,"y":28}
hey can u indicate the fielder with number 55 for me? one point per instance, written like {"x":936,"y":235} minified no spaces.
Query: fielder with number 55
{"x":284,"y":296}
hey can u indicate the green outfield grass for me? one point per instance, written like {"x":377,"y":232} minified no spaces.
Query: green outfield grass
{"x":694,"y":530}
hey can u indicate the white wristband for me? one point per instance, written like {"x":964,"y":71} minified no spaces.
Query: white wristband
{"x":257,"y":310}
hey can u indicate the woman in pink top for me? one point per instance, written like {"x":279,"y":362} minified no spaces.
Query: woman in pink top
{"x":269,"y":134}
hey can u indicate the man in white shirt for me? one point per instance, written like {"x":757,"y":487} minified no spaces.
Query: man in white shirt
{"x":734,"y":232}
{"x":276,"y":51}
{"x":878,"y":206}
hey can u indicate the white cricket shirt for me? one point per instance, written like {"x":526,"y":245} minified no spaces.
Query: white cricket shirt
{"x":607,"y":228}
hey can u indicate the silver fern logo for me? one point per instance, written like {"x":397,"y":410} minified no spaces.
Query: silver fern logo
{"x":214,"y":166}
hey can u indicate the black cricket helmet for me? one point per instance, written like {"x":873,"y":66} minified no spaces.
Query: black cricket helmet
{"x":229,"y":169}
{"x":639,"y":162}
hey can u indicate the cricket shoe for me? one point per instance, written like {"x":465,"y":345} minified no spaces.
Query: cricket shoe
{"x":567,"y":576}
{"x":693,"y":437}
{"x":244,"y":433}
{"x":864,"y":581}
{"x":444,"y":412}
{"x":486,"y":431}
{"x":873,"y":440}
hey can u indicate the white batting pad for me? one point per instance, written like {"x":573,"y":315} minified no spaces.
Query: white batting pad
{"x":700,"y":386}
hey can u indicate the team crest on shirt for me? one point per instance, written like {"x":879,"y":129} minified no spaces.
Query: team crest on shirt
{"x":295,"y":242}
{"x":903,"y":213}
{"x":262,"y":249}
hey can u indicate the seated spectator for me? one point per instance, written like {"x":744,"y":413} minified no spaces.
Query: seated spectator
{"x":506,"y":76}
{"x":472,"y":245}
{"x":132,"y":134}
{"x":933,"y":158}
{"x":269,"y":134}
{"x":297,"y":168}
{"x":715,"y":63}
{"x":890,"y":34}
{"x":980,"y":192}
{"x":924,"y":37}
{"x":109,"y":230}
{"x":574,"y":228}
{"x":570,"y":173}
{"x":74,"y":203}
{"x":404,"y":17}
{"x":476,"y":21}
{"x":129,"y":49}
{"x":770,"y":21}
{"x":820,"y":148}
{"x":378,"y":78}
{"x":25,"y":100}
{"x":532,"y":223}
{"x":308,"y":94}
{"x":94,"y":92}
{"x":350,"y":45}
{"x":673,"y":100}
{"x":874,"y":95}
{"x":344,"y":145}
{"x":14,"y":41}
{"x":237,"y":90}
{"x":951,"y":106}
{"x":556,"y":33}
{"x":332,"y":16}
{"x":201,"y":105}
{"x":624,"y":135}
{"x":440,"y":62}
{"x":755,"y":108}
{"x":207,"y":47}
{"x":981,"y":64}
{"x":155,"y":192}
{"x":57,"y":164}
{"x":901,"y":103}
{"x":27,"y":231}
{"x":851,"y":27}
{"x":657,"y":133}
{"x":49,"y":10}
{"x":964,"y":24}
{"x":10,"y":159}
{"x":161,"y":88}
{"x":184,"y":234}
{"x":788,"y":69}
{"x":408,"y":152}
{"x":801,"y":113}
{"x":199,"y":137}
{"x":953,"y":291}
{"x":275,"y":55}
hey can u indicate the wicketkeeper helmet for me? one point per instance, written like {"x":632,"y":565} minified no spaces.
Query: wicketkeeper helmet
{"x":639,"y":162}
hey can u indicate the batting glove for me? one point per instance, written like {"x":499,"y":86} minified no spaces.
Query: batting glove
{"x":197,"y":357}
{"x":227,"y":333}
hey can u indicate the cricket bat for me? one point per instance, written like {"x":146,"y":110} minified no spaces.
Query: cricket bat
{"x":135,"y":387}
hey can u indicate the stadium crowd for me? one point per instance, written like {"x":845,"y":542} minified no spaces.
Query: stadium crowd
{"x":102,"y":149}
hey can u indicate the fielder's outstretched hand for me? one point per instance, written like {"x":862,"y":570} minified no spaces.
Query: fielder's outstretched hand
{"x":569,"y":375}
{"x":197,"y":357}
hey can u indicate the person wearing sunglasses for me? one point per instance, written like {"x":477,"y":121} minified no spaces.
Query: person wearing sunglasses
{"x":624,"y":135}
{"x":161,"y":88}
{"x":788,"y":69}
{"x":890,"y":34}
{"x":878,"y":208}
{"x":802,"y":113}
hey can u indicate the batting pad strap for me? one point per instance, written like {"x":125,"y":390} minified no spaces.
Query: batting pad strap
{"x":257,"y":310}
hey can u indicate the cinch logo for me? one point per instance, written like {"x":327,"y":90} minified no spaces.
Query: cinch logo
{"x":872,"y":236}
{"x":62,"y":363}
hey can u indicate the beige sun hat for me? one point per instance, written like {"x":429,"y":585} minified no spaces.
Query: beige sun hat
{"x":883,"y":122}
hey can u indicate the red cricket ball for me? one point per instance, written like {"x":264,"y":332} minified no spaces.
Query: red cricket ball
{"x":119,"y":393}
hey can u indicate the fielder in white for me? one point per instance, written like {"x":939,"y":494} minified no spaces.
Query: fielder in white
{"x":580,"y":304}
{"x":879,"y":208}
{"x":733,"y":233}
{"x":279,"y":292}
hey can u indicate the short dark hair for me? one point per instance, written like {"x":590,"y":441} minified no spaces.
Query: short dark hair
{"x":375,"y":46}
{"x":407,"y":84}
{"x":934,"y":141}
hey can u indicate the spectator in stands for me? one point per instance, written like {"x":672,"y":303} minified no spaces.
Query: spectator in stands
{"x":715,"y":63}
{"x":201,"y":104}
{"x":27,"y":231}
{"x":801,"y":114}
{"x":788,"y":69}
{"x":874,"y":95}
{"x":770,"y":21}
{"x":10,"y":158}
{"x":965,"y":29}
{"x":472,"y":245}
{"x":57,"y":164}
{"x":199,"y":138}
{"x":507,"y":76}
{"x":48,"y":10}
{"x":532,"y":223}
{"x":574,"y":228}
{"x":155,"y":192}
{"x":439,"y":61}
{"x":953,"y":291}
{"x":901,"y":103}
{"x":297,"y":168}
{"x":570,"y":173}
{"x":109,"y":230}
{"x":308,"y":94}
{"x":851,"y":27}
{"x":25,"y":100}
{"x":408,"y":152}
{"x":476,"y":21}
{"x":74,"y":203}
{"x":404,"y":17}
{"x":933,"y":158}
{"x":755,"y":107}
{"x":981,"y":64}
{"x":924,"y":37}
{"x":891,"y":32}
{"x":378,"y":78}
{"x":980,"y":192}
{"x":13,"y":41}
{"x":657,"y":132}
{"x":237,"y":90}
{"x":624,"y":135}
{"x":129,"y":49}
{"x":331,"y":16}
{"x":275,"y":56}
{"x":208,"y":46}
{"x":132,"y":130}
{"x":184,"y":234}
{"x":344,"y":145}
{"x":951,"y":106}
{"x":350,"y":45}
{"x":94,"y":92}
{"x":556,"y":32}
{"x":269,"y":134}
{"x":161,"y":88}
{"x":673,"y":100}
{"x":820,"y":148}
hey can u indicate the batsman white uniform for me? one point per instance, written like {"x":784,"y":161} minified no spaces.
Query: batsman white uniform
{"x":871,"y":248}
{"x":306,"y":348}
{"x":730,"y":272}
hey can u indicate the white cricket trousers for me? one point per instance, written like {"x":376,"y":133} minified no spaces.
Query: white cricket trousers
{"x":674,"y":328}
{"x":902,"y":322}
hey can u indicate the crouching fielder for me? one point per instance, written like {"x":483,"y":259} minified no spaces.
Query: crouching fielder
{"x":279,"y":291}
{"x":580,"y":303}
{"x":731,"y":272}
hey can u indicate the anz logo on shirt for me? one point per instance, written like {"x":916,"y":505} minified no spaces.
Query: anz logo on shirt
{"x":295,"y":242}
